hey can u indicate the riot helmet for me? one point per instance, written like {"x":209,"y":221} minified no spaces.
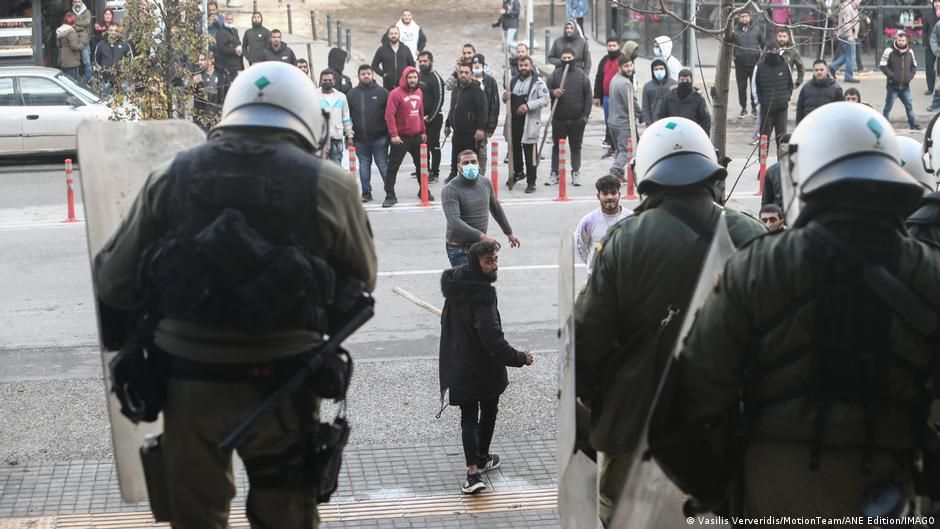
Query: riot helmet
{"x":815,"y":159}
{"x":931,"y":150}
{"x":912,"y":162}
{"x":276,"y":95}
{"x":675,"y":152}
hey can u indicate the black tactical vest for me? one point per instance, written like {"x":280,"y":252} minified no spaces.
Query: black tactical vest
{"x":241,"y":244}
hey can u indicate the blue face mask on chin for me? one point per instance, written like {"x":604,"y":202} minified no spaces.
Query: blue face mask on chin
{"x":470,"y":172}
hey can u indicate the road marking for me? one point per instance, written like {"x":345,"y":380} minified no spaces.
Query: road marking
{"x":342,"y":511}
{"x":501,"y":269}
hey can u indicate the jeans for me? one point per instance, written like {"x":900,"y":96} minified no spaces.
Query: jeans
{"x":366,"y":151}
{"x":86,"y":63}
{"x":73,"y":72}
{"x":477,"y":423}
{"x":847,"y":58}
{"x":336,"y":151}
{"x":457,"y":255}
{"x":605,"y":104}
{"x":573,"y":129}
{"x":930,"y":66}
{"x":511,"y":37}
{"x":905,"y":95}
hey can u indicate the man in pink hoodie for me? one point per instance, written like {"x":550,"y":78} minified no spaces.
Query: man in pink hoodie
{"x":404,"y":116}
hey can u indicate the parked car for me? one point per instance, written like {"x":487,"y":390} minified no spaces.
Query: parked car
{"x":40,"y":109}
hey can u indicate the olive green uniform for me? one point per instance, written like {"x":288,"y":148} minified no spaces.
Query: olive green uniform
{"x":924,"y":224}
{"x":755,"y":334}
{"x":199,"y":414}
{"x":648,"y":263}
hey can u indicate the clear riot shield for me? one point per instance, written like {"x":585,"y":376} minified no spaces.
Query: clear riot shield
{"x":577,"y":473}
{"x":116,"y":158}
{"x":649,"y":499}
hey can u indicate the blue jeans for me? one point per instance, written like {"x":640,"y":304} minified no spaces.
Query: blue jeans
{"x":458,"y":255}
{"x":86,"y":63}
{"x":905,"y":95}
{"x":336,"y":151}
{"x":605,"y":103}
{"x":366,"y":151}
{"x":847,"y":58}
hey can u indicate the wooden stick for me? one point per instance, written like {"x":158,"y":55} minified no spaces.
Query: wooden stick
{"x":551,"y":115}
{"x":416,"y":300}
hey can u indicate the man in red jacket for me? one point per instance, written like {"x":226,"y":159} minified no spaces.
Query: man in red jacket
{"x":404,"y":116}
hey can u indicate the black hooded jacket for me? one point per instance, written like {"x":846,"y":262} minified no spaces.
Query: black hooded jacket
{"x":468,"y":109}
{"x":254,"y":42}
{"x":473,"y":352}
{"x":389,"y":64}
{"x":692,"y":106}
{"x":336,"y":60}
{"x":432,"y":87}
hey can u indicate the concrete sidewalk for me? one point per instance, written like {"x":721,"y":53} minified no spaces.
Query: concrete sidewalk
{"x":380,"y":486}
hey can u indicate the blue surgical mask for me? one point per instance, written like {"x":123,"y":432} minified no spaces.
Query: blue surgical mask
{"x":477,"y":71}
{"x":659,"y":74}
{"x":229,"y":26}
{"x":470,"y":171}
{"x":657,"y":52}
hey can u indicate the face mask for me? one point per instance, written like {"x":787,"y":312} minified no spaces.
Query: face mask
{"x":684,"y":89}
{"x":566,"y":63}
{"x":470,"y":172}
{"x":613,"y":54}
{"x":774,"y":59}
{"x":659,"y":74}
{"x":657,"y":52}
{"x":425,"y":69}
{"x":477,"y":71}
{"x":326,"y":86}
{"x":230,"y":26}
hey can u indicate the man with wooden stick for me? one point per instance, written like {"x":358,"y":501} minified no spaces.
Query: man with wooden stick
{"x":527,"y":95}
{"x":571,"y":93}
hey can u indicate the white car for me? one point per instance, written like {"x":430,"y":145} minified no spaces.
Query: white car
{"x":40,"y":109}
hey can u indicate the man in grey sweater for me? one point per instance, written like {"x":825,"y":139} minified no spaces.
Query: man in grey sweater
{"x":622,"y":94}
{"x":468,"y":201}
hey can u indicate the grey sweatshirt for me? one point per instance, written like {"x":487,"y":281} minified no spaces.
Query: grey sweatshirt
{"x":467,"y":207}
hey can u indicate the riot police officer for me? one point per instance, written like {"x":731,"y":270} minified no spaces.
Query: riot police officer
{"x":242,"y":240}
{"x":925,"y":222}
{"x":811,"y":358}
{"x":643,"y":276}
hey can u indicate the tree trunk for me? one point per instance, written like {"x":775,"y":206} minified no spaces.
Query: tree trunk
{"x":722,"y":81}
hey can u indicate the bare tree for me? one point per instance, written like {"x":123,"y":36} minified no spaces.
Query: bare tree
{"x":167,"y":38}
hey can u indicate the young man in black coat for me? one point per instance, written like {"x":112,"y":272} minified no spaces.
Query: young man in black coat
{"x":255,"y":40}
{"x":391,"y":59}
{"x":474,"y":355}
{"x":685,"y":102}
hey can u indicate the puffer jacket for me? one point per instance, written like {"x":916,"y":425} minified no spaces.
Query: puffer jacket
{"x":815,"y":94}
{"x":70,"y":47}
{"x":473,"y":351}
{"x":898,"y":66}
{"x":749,"y":41}
{"x":83,"y":26}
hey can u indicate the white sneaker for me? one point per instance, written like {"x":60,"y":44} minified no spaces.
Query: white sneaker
{"x":552,"y":179}
{"x":576,"y":178}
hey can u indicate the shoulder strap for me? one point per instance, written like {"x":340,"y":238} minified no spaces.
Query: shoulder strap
{"x":902,"y":300}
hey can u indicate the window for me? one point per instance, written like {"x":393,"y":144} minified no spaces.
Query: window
{"x":39,"y":92}
{"x":7,"y":94}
